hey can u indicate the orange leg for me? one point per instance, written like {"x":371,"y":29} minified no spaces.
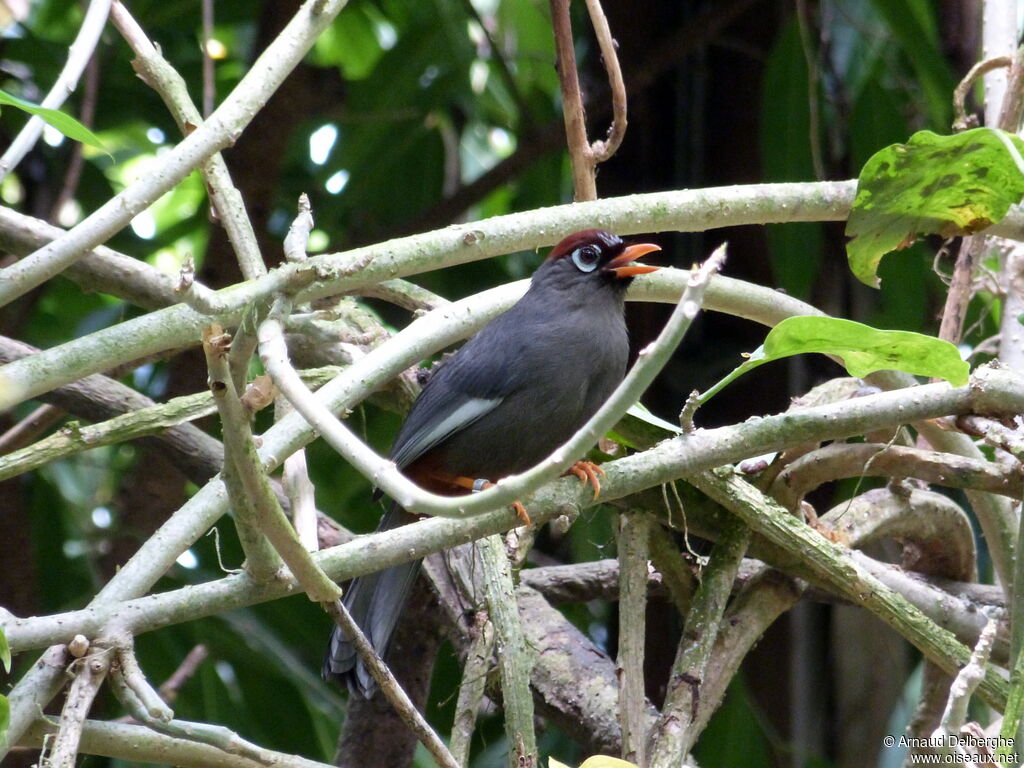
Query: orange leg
{"x":587,"y":472}
{"x":480,"y":485}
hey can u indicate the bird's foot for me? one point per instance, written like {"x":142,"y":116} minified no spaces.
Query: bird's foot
{"x":480,"y":484}
{"x":587,"y":472}
{"x":521,"y":511}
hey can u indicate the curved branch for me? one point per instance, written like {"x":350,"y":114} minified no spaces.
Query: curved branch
{"x":842,"y":460}
{"x":330,"y":274}
{"x":603,"y":150}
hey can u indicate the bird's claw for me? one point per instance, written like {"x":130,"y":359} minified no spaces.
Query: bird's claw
{"x":587,"y":472}
{"x":521,"y":511}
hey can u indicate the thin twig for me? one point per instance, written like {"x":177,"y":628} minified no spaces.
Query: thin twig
{"x":140,"y":420}
{"x":960,"y":288}
{"x":33,"y":692}
{"x":389,"y":685}
{"x":147,"y":705}
{"x":200,"y":298}
{"x":1013,"y":101}
{"x":86,"y":115}
{"x":137,"y":743}
{"x":841,"y":460}
{"x":813,"y":85}
{"x":404,"y":294}
{"x":673,"y":567}
{"x":600,"y":151}
{"x":79,"y":53}
{"x":994,"y":433}
{"x":296,"y":476}
{"x":242,"y":479}
{"x":297,"y":239}
{"x":29,"y":428}
{"x":209,"y":76}
{"x":583,"y":156}
{"x":189,"y":665}
{"x":962,"y":121}
{"x":101,"y":270}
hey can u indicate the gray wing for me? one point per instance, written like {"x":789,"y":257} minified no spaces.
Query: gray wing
{"x":471,"y":384}
{"x":458,"y":414}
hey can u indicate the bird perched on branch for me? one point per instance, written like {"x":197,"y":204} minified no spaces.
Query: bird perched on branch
{"x":506,"y":400}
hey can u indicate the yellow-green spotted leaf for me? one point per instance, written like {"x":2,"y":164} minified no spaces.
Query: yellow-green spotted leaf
{"x":944,"y":185}
{"x":62,"y":122}
{"x":603,"y":761}
{"x":597,"y":761}
{"x":862,"y":349}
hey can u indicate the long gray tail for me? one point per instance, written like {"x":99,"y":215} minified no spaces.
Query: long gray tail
{"x":375,"y":602}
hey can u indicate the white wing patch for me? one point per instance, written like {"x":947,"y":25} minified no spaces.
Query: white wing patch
{"x":464,"y":415}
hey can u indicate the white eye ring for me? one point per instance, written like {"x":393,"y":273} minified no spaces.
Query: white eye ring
{"x":586,"y":258}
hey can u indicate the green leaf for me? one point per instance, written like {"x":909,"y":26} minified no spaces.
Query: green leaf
{"x":945,"y":185}
{"x":863,"y":350}
{"x":62,"y":122}
{"x":5,"y":652}
{"x":552,"y":763}
{"x":640,"y":429}
{"x":639,"y":411}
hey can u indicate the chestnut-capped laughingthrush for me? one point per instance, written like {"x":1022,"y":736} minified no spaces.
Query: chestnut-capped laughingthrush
{"x":504,"y":402}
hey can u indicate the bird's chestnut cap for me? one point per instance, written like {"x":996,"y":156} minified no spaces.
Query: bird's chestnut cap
{"x":606,"y":250}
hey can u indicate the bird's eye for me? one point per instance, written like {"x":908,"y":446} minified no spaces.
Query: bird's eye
{"x":586,"y":258}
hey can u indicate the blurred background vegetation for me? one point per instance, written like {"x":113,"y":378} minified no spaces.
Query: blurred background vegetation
{"x":408,"y":116}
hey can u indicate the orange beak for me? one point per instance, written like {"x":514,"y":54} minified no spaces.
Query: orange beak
{"x":623,"y":266}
